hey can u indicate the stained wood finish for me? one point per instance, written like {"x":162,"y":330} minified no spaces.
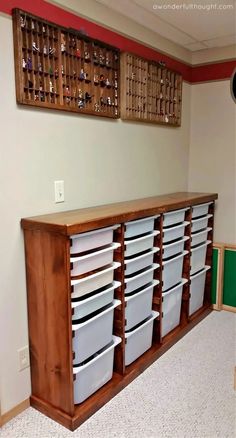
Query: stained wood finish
{"x":47,"y":248}
{"x":49,"y":317}
{"x":150,"y":92}
{"x":119,"y":312}
{"x":186,"y":272}
{"x":118,"y":382}
{"x":157,"y":299}
{"x":79,"y":221}
{"x":61,"y":69}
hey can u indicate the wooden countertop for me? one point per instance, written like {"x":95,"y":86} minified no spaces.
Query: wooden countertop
{"x":85,"y":219}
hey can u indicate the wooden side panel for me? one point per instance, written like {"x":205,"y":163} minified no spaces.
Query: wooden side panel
{"x":17,"y":39}
{"x":49,"y":314}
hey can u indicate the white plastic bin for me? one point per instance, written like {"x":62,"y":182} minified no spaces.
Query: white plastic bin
{"x":93,"y":334}
{"x":197,"y":287}
{"x":174,"y":217}
{"x":172,"y":271}
{"x":174,"y":233}
{"x":139,"y":306}
{"x":200,"y":224}
{"x":140,"y":226}
{"x":198,"y":257}
{"x":139,"y":340}
{"x":93,"y":282}
{"x":92,"y":239}
{"x":200,"y":237}
{"x":140,"y":244}
{"x":86,"y":306}
{"x":93,"y":260}
{"x":95,"y":373}
{"x":171,"y":307}
{"x":140,"y":262}
{"x":139,"y":280}
{"x":200,"y":209}
{"x":171,"y":249}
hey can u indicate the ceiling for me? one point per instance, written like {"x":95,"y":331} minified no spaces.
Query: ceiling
{"x":195,"y":26}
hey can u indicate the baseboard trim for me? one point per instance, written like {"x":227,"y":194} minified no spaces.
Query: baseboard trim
{"x":215,"y":307}
{"x":14,"y":411}
{"x":229,"y":308}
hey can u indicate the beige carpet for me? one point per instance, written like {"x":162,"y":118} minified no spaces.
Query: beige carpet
{"x":188,"y":393}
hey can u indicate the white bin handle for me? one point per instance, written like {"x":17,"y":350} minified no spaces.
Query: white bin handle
{"x":200,"y":272}
{"x":135,"y":295}
{"x":184,"y":224}
{"x":196,"y":248}
{"x":116,"y":340}
{"x":183,"y":281}
{"x":100,"y":230}
{"x":202,"y":218}
{"x":154,"y":316}
{"x":115,"y":303}
{"x":111,"y":247}
{"x":114,"y":266}
{"x":142,"y":220}
{"x":174,"y":211}
{"x":169,"y":245}
{"x":175,"y":258}
{"x":114,"y":285}
{"x":152,"y":268}
{"x":139,"y":239}
{"x":152,"y":251}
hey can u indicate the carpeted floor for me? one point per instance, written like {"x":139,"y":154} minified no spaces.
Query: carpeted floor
{"x":188,"y":393}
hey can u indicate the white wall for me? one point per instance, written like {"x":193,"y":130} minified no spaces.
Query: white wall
{"x":100,"y":161}
{"x":212,"y":164}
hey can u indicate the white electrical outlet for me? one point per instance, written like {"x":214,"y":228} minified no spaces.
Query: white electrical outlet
{"x":23,"y":354}
{"x":59,"y":191}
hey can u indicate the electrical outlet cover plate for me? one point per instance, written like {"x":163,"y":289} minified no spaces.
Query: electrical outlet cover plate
{"x":59,"y":191}
{"x":23,"y":354}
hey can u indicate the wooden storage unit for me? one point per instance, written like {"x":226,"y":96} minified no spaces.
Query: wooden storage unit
{"x":47,"y":248}
{"x":150,"y":92}
{"x":60,"y":68}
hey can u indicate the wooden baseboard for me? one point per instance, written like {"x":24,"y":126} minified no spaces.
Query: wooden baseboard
{"x":14,"y":412}
{"x":229,"y":308}
{"x":215,"y":307}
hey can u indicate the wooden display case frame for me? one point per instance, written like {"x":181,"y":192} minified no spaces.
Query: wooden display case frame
{"x":47,"y":250}
{"x":150,"y":92}
{"x":62,"y":69}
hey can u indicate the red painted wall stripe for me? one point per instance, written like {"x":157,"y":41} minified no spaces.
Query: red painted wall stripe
{"x":58,"y":15}
{"x":213,"y":72}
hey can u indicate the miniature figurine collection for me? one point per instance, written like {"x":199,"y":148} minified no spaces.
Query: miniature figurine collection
{"x":69,"y":70}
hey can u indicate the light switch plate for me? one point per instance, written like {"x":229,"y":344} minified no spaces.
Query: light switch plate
{"x":23,"y":355}
{"x":59,"y":191}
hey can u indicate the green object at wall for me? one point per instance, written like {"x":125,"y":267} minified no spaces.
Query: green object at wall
{"x":229,"y":290}
{"x":214,"y":275}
